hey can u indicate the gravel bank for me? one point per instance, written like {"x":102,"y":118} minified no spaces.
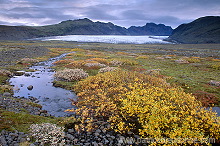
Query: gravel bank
{"x":10,"y":56}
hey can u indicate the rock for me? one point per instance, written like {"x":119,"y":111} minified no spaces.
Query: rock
{"x":3,"y":141}
{"x":214,"y":83}
{"x":19,"y":73}
{"x":30,"y":87}
{"x":69,"y":136}
{"x":6,"y":94}
{"x":160,"y":58}
{"x":153,"y":71}
{"x":96,"y":134}
{"x":95,"y":144}
{"x":27,"y":74}
{"x":100,"y":144}
{"x":71,"y":131}
{"x":98,"y":131}
{"x":182,"y":61}
{"x":37,"y":113}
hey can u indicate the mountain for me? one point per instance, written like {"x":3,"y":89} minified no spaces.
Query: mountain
{"x":202,"y":30}
{"x":79,"y":27}
{"x":151,"y":29}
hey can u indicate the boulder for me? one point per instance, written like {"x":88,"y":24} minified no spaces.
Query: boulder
{"x":30,"y":87}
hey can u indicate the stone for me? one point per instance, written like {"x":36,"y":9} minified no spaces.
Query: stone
{"x":3,"y":141}
{"x":214,"y":83}
{"x":182,"y":61}
{"x":69,"y":136}
{"x":27,"y":74}
{"x":95,"y":144}
{"x":22,"y":140}
{"x":30,"y":87}
{"x":71,"y":130}
{"x":98,"y":131}
{"x":96,"y":134}
{"x":100,"y":144}
{"x":6,"y":94}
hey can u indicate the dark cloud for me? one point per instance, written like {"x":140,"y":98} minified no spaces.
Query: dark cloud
{"x":120,"y":12}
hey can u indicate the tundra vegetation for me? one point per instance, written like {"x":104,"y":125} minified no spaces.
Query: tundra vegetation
{"x":154,"y":91}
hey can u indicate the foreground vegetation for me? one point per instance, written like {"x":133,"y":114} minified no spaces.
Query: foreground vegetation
{"x":134,"y":88}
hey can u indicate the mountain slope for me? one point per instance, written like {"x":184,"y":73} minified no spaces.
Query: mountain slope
{"x":202,"y":30}
{"x":78,"y":27}
{"x":151,"y":29}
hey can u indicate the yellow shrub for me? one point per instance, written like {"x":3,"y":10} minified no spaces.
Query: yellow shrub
{"x":65,"y":61}
{"x":144,"y":105}
{"x":100,"y":60}
{"x":216,"y":65}
{"x":75,"y":64}
{"x":193,"y":60}
{"x":122,"y":53}
{"x":142,"y":57}
{"x":123,"y":61}
{"x":158,"y":112}
{"x":77,"y":49}
{"x":98,"y":95}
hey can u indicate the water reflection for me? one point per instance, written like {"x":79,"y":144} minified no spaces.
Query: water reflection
{"x":54,"y":100}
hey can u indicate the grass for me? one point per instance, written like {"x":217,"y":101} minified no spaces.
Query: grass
{"x":21,"y":121}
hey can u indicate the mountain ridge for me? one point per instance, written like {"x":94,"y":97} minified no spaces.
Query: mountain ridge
{"x":80,"y":27}
{"x":202,"y":30}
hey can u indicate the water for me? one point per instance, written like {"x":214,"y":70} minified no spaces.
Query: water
{"x":115,"y":39}
{"x":54,"y":100}
{"x":216,"y":109}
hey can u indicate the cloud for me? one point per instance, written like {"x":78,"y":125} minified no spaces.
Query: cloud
{"x":120,"y":12}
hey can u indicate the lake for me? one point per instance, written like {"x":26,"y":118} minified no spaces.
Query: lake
{"x":115,"y":39}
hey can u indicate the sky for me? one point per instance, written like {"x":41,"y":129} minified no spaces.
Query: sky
{"x":124,"y":13}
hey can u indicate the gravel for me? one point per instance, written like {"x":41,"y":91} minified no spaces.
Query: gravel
{"x":10,"y":56}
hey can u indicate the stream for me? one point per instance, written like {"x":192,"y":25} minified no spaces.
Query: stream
{"x":53,"y":99}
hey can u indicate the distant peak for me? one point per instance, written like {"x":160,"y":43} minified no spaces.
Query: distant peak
{"x":82,"y":20}
{"x":85,"y":19}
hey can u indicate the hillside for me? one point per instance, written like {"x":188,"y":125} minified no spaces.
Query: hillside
{"x":202,"y":30}
{"x":79,"y":27}
{"x":151,"y":29}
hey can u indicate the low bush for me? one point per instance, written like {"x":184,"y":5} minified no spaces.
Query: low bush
{"x":94,"y":65}
{"x":65,"y":61}
{"x":193,"y":60}
{"x":28,"y":60}
{"x":100,"y":60}
{"x":70,"y":74}
{"x":107,"y":69}
{"x":4,"y":72}
{"x":143,"y":105}
{"x":207,"y":99}
{"x":216,"y":65}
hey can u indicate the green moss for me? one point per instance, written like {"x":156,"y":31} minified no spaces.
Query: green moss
{"x":21,"y":121}
{"x":34,"y":104}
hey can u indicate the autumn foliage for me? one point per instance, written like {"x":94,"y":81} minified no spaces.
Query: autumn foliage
{"x":144,"y":105}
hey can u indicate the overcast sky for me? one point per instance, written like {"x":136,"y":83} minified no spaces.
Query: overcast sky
{"x":120,"y":12}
